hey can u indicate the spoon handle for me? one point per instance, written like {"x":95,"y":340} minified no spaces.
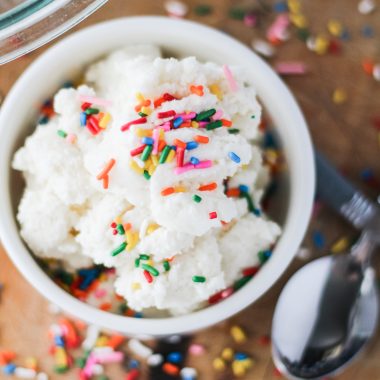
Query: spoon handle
{"x":342,"y":196}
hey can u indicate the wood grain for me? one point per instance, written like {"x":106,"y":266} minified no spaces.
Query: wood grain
{"x":342,"y":132}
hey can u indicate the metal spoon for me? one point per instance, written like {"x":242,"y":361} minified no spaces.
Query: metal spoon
{"x":328,"y":310}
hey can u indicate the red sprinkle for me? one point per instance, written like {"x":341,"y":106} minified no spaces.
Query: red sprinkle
{"x":163,"y":115}
{"x":148,"y":276}
{"x":113,"y":225}
{"x":168,"y":97}
{"x":84,"y":106}
{"x":213,"y":215}
{"x":141,"y":120}
{"x":180,"y":156}
{"x":170,"y":369}
{"x":133,"y":374}
{"x":208,"y":187}
{"x":93,"y":125}
{"x":137,"y":151}
{"x":251,"y":271}
{"x":226,"y":123}
{"x":235,"y":192}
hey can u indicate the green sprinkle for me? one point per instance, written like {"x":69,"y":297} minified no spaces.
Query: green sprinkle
{"x":203,"y":10}
{"x":61,"y":133}
{"x":153,"y":271}
{"x":137,"y":263}
{"x":166,"y":265}
{"x":215,"y":124}
{"x":146,"y":174}
{"x":303,"y":34}
{"x":241,"y":282}
{"x":233,"y":131}
{"x":263,"y":256}
{"x":144,"y":257}
{"x":80,"y":362}
{"x":146,"y":152}
{"x":123,"y":308}
{"x":250,"y":204}
{"x":205,"y":114}
{"x":91,"y":111}
{"x":197,"y":198}
{"x":237,"y":13}
{"x":142,"y":114}
{"x":253,"y":116}
{"x":61,"y":369}
{"x":119,"y":249}
{"x":120,"y":229}
{"x":164,"y":154}
{"x":199,"y":279}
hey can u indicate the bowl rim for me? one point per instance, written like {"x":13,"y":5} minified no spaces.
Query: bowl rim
{"x":300,"y":203}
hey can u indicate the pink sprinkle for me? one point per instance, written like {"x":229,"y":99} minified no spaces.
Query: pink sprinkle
{"x":203,"y":164}
{"x":230,"y":79}
{"x":196,"y":349}
{"x":291,"y":68}
{"x":183,"y":169}
{"x":88,"y":369}
{"x":100,"y":293}
{"x":165,"y":126}
{"x":187,"y":116}
{"x":202,"y":124}
{"x":217,"y":115}
{"x":250,"y":20}
{"x":110,"y":357}
{"x":277,"y":31}
{"x":94,"y":100}
{"x":156,"y":138}
{"x":71,"y":138}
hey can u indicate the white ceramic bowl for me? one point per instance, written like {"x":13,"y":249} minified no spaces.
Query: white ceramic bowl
{"x":178,"y":38}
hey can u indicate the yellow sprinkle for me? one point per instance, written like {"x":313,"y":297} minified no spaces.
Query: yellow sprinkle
{"x":238,"y":368}
{"x":171,"y":156}
{"x":154,"y":159}
{"x":148,"y":162}
{"x":105,"y":120}
{"x":151,"y":228}
{"x":335,"y":27}
{"x":60,"y":357}
{"x":238,"y":334}
{"x":151,"y":169}
{"x":195,"y":124}
{"x":219,"y":364}
{"x":135,"y":167}
{"x":215,"y":89}
{"x":340,"y":245}
{"x":298,"y":19}
{"x":227,"y":353}
{"x":321,"y":45}
{"x":141,"y":132}
{"x":102,"y":341}
{"x":247,"y":363}
{"x":118,"y":219}
{"x":271,"y":155}
{"x":103,"y":277}
{"x":180,"y":189}
{"x":132,"y":238}
{"x":146,"y":110}
{"x":294,"y":6}
{"x":140,"y":97}
{"x":136,"y":286}
{"x":339,"y":96}
{"x":31,"y":363}
{"x":150,"y":262}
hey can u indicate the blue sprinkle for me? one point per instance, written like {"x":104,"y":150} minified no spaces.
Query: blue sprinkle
{"x":345,"y":36}
{"x":67,"y":84}
{"x":133,"y":363}
{"x":191,"y":145}
{"x":194,"y":160}
{"x":138,"y":315}
{"x":43,"y":119}
{"x":177,"y":122}
{"x":281,"y":7}
{"x":267,"y":254}
{"x":244,"y":188}
{"x":174,"y":147}
{"x":269,"y":140}
{"x":83,"y":119}
{"x":9,"y":369}
{"x":58,"y":340}
{"x":240,"y":356}
{"x":367,"y":31}
{"x":175,"y":357}
{"x":318,"y":239}
{"x":234,"y":157}
{"x":367,"y":174}
{"x":147,"y":140}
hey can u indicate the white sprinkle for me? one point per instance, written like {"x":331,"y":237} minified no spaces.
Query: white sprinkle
{"x":102,"y":350}
{"x":304,"y":253}
{"x":139,"y":349}
{"x":154,"y":360}
{"x":143,"y":228}
{"x":56,"y":330}
{"x":310,"y":43}
{"x":97,"y":369}
{"x":139,"y":162}
{"x":25,"y":373}
{"x":366,"y":6}
{"x":368,"y":283}
{"x":188,"y":373}
{"x":262,"y":47}
{"x":376,"y":72}
{"x":42,"y":376}
{"x":176,"y":8}
{"x":91,"y":337}
{"x":173,"y":339}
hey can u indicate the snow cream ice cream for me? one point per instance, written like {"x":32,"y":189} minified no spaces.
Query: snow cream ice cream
{"x":152,"y":167}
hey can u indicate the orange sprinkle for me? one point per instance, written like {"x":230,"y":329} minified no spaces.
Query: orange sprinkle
{"x":158,"y":102}
{"x":167,"y":191}
{"x":106,"y":306}
{"x":201,"y":139}
{"x":368,"y":66}
{"x":6,"y":357}
{"x":208,"y":187}
{"x":105,"y":182}
{"x":115,"y":341}
{"x":179,"y":143}
{"x":107,"y":169}
{"x":170,"y":259}
{"x":186,"y":124}
{"x":127,"y":226}
{"x":161,"y":145}
{"x":226,"y":123}
{"x":197,"y":90}
{"x":235,"y":192}
{"x":170,"y":369}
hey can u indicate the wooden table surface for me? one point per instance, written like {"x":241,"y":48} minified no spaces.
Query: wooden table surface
{"x":343,"y":132}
